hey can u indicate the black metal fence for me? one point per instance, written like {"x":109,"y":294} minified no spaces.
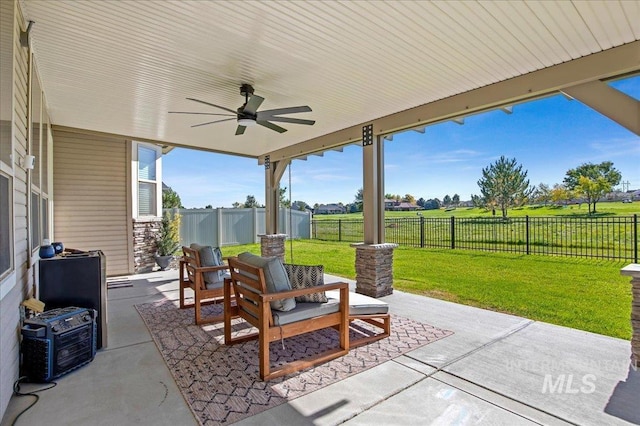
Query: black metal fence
{"x":614,"y":237}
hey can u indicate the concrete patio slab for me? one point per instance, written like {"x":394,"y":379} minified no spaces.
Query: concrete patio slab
{"x":570,"y":373}
{"x":435,"y":403}
{"x":491,"y":371}
{"x":343,"y":400}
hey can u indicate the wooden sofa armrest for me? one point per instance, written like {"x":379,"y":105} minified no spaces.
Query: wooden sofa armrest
{"x":202,"y":269}
{"x":268,"y":297}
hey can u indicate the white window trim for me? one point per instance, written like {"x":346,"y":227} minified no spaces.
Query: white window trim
{"x":135,"y":180}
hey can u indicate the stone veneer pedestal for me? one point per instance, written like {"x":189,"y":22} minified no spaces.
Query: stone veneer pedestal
{"x":272,"y":245}
{"x":374,"y":269}
{"x":633,"y":271}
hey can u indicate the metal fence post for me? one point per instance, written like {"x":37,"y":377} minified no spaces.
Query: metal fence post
{"x":339,"y":229}
{"x":527,"y":231}
{"x":421,"y":231}
{"x":453,"y":232}
{"x":635,"y":238}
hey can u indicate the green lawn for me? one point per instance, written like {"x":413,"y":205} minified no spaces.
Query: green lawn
{"x":584,"y":294}
{"x":616,"y":208}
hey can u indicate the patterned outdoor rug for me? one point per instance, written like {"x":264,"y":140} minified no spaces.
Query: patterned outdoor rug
{"x":221,"y":383}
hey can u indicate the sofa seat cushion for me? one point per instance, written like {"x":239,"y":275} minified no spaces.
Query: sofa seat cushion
{"x":275,"y":277}
{"x":359,"y":304}
{"x":306,"y":310}
{"x":217,"y":284}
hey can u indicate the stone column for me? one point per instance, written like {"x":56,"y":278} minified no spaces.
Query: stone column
{"x":145,"y":232}
{"x":272,"y":245}
{"x":374,"y":269}
{"x":633,"y":271}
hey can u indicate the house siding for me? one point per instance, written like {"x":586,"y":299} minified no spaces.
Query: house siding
{"x":91,"y":209}
{"x":22,"y":275}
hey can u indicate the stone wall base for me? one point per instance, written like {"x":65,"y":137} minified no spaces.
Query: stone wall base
{"x":633,"y":271}
{"x":272,"y":245}
{"x":144,"y":246}
{"x":374,"y":269}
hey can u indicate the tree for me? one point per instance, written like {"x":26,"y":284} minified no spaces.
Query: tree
{"x":171,"y":200}
{"x":432,"y":204}
{"x":359,"y":199}
{"x":409,"y":199}
{"x":478,"y":201}
{"x":208,"y":206}
{"x":455,"y":199}
{"x":446,"y":200}
{"x":542,"y":194}
{"x":593,"y":181}
{"x":504,"y":184}
{"x":421,"y":202}
{"x":237,"y":205}
{"x":251,"y":202}
{"x":284,"y":202}
{"x":560,"y":194}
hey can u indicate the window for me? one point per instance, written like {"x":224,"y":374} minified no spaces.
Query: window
{"x":148,"y":179}
{"x":6,"y":146}
{"x":6,"y":247}
{"x":35,"y":221}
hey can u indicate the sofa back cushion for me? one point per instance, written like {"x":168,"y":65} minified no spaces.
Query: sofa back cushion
{"x":276,"y":279}
{"x":210,"y":256}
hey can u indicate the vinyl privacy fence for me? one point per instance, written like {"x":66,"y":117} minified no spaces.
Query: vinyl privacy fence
{"x":614,"y":237}
{"x":225,"y":227}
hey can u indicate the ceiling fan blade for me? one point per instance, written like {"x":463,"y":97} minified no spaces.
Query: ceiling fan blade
{"x":292,"y":120}
{"x":240,"y":130}
{"x":280,"y":111}
{"x":271,"y":126}
{"x":212,"y":122}
{"x":254,"y":103}
{"x":213,"y":105}
{"x":201,"y":113}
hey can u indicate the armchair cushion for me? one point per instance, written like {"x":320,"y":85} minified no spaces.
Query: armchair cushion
{"x":303,"y":276}
{"x":276,"y":279}
{"x":304,"y":311}
{"x":210,"y":256}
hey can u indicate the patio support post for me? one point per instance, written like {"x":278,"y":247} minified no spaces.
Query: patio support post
{"x":633,"y":271}
{"x":374,"y":258}
{"x":272,"y":243}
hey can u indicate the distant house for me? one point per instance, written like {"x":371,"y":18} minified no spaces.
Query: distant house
{"x":301,"y":206}
{"x":393,"y":205}
{"x":330,"y":209}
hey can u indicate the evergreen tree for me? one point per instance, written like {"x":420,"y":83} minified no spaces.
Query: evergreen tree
{"x":171,"y":200}
{"x":504,"y":184}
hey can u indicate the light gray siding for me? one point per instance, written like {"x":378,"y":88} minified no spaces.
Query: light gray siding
{"x":22,"y":276}
{"x":90,"y":175}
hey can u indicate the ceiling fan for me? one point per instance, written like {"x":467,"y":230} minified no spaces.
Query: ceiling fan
{"x":248,"y":114}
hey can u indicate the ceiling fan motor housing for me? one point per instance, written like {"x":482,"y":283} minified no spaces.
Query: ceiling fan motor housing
{"x":246,"y":90}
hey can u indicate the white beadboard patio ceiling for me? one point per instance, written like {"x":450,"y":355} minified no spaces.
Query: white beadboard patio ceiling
{"x":120,"y":66}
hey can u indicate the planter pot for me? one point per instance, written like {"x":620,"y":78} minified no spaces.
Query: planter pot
{"x":164,"y":261}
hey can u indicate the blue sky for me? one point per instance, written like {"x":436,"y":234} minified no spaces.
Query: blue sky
{"x":547,"y":136}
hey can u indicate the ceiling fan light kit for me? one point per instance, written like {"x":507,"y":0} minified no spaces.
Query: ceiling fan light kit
{"x":248,"y":115}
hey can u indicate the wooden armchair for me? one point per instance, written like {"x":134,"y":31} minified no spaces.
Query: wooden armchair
{"x":205,"y":289}
{"x":253,"y":304}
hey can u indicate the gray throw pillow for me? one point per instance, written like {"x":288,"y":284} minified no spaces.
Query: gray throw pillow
{"x":276,"y":279}
{"x":303,"y":276}
{"x":210,"y":256}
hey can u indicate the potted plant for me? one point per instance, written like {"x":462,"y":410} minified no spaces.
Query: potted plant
{"x":167,"y":240}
